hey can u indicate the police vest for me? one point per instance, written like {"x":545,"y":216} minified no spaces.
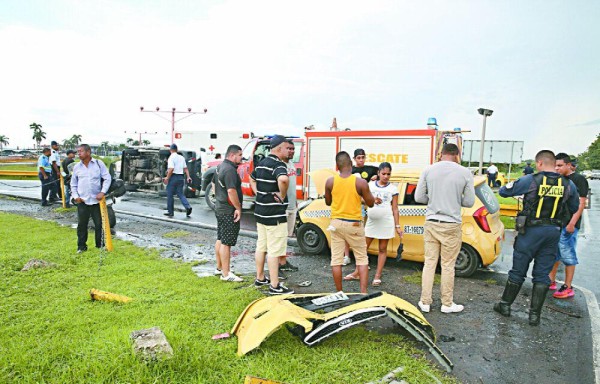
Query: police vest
{"x":544,"y":205}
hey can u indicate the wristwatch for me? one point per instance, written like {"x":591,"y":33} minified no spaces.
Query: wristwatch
{"x":398,"y":226}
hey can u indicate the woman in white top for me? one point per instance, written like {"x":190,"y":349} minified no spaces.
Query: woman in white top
{"x":382,"y":218}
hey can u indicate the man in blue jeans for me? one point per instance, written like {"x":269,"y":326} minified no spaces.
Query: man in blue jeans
{"x":176,"y":167}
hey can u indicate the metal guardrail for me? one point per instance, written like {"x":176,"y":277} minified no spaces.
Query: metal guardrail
{"x":18,"y":173}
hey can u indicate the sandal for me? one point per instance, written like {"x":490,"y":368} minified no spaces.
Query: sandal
{"x":350,"y":277}
{"x":376,"y":282}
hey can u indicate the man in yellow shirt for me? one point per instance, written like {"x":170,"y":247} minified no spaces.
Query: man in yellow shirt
{"x":343,"y":193}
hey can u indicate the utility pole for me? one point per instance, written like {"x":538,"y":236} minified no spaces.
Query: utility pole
{"x":485,"y":113}
{"x":173,"y":111}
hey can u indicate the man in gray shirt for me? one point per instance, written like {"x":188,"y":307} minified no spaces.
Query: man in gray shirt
{"x":445,"y":187}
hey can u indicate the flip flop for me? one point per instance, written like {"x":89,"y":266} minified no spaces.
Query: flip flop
{"x":350,"y":277}
{"x":376,"y":282}
{"x":305,"y":283}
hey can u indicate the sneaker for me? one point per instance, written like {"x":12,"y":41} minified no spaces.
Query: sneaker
{"x":424,"y":307}
{"x":45,"y":203}
{"x":454,"y":308}
{"x":552,"y":286}
{"x":168,"y":214}
{"x":81,"y":250}
{"x":232,"y":277}
{"x":347,"y":260}
{"x":280,"y":290}
{"x":260,"y":283}
{"x":564,"y":292}
{"x":188,"y":211}
{"x":288,"y":267}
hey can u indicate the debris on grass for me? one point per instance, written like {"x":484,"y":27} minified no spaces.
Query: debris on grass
{"x":98,"y":295}
{"x":151,"y":344}
{"x":37,"y":263}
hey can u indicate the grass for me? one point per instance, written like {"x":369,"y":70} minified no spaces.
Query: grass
{"x":509,"y":222}
{"x":506,"y":200}
{"x":51,"y":332}
{"x":65,"y":210}
{"x":417,"y":276}
{"x":176,"y":234}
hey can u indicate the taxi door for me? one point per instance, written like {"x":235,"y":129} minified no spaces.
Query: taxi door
{"x":412,"y":220}
{"x":246,"y":166}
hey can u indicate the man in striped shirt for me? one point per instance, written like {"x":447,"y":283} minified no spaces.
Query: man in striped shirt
{"x":270,"y":182}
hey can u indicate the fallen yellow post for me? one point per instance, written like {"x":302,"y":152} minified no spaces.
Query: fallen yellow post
{"x":257,"y":380}
{"x":97,"y":294}
{"x":106,"y":225}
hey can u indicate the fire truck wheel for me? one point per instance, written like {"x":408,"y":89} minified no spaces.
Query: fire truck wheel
{"x":209,"y":196}
{"x":311,"y":239}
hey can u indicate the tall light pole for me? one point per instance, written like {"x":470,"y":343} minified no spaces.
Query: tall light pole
{"x":485,"y":113}
{"x":173,"y":111}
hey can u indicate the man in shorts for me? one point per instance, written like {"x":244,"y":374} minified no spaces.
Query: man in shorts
{"x":567,"y":245}
{"x":343,"y":193}
{"x":228,"y":210}
{"x":270,"y":182}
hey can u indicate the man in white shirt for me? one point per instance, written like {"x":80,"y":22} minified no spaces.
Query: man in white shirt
{"x":56,"y":193}
{"x":176,"y":167}
{"x":492,"y":173}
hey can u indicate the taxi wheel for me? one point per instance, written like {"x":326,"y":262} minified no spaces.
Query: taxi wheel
{"x":311,"y":239}
{"x":466,"y":262}
{"x":498,"y":183}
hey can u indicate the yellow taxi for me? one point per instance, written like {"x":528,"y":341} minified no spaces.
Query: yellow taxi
{"x":483,"y":232}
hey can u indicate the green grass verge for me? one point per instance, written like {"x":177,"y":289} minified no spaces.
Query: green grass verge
{"x":51,"y":332}
{"x":509,"y":222}
{"x":417,"y":276}
{"x":506,"y":200}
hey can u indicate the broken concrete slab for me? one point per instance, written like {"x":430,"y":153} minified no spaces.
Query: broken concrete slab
{"x":151,"y":344}
{"x":37,"y":263}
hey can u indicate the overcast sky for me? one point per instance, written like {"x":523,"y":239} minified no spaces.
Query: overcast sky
{"x":277,"y":66}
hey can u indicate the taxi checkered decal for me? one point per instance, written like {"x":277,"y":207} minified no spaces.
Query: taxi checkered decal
{"x":318,"y":213}
{"x":412,"y":211}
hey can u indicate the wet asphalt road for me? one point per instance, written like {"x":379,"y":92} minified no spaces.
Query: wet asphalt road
{"x":152,"y":204}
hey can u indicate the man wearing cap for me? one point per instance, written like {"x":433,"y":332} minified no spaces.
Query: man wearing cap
{"x":45,"y":174}
{"x":67,"y":175}
{"x":176,"y":167}
{"x":55,"y":160}
{"x":528,"y":170}
{"x":270,"y":182}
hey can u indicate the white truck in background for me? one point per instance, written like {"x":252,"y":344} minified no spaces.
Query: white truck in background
{"x":208,"y":144}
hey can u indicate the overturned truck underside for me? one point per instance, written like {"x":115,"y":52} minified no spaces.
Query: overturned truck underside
{"x":318,"y":316}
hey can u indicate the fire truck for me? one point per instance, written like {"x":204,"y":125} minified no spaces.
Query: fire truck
{"x":403,"y":149}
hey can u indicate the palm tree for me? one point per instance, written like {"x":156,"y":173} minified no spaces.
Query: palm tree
{"x":67,"y":144}
{"x":135,"y":143}
{"x":129,"y":140}
{"x":38,"y":134}
{"x":76,"y":139}
{"x":3,"y":141}
{"x":146,"y":142}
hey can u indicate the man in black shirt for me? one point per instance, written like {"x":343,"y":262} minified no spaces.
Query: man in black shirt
{"x":366,"y":172}
{"x":67,"y":175}
{"x":228,"y":210}
{"x":567,"y":245}
{"x":528,"y":170}
{"x":270,"y":182}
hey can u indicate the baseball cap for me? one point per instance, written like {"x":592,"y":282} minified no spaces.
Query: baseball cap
{"x":53,"y":142}
{"x":574,"y":161}
{"x":359,"y":152}
{"x":173,"y":147}
{"x":277,"y":140}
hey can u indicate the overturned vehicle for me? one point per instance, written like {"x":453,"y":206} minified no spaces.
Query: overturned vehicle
{"x":319,"y":316}
{"x":144,"y":168}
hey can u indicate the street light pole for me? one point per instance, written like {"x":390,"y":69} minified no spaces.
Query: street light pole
{"x":485,"y":113}
{"x":173,"y":121}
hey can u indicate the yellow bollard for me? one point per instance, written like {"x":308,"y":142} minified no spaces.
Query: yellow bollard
{"x":106,"y":225}
{"x":62,"y":190}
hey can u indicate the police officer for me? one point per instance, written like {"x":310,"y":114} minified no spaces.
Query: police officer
{"x":546,"y":197}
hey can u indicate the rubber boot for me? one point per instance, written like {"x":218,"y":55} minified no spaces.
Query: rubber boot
{"x":538,"y":296}
{"x":508,"y":297}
